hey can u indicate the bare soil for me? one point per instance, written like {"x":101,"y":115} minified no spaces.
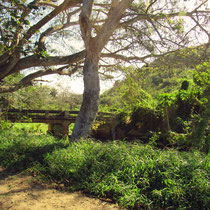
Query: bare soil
{"x":24,"y":192}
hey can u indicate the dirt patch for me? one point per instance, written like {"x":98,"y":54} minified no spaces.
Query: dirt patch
{"x":24,"y":192}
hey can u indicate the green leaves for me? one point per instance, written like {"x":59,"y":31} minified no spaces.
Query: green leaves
{"x":166,"y":99}
{"x":201,"y":74}
{"x":182,"y":13}
{"x":42,"y":53}
{"x":26,"y":22}
{"x":130,"y":173}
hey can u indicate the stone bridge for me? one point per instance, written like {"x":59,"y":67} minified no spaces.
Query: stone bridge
{"x":58,"y":121}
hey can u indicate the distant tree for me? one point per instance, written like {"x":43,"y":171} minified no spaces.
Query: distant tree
{"x":39,"y":96}
{"x":122,"y":30}
{"x":164,"y":75}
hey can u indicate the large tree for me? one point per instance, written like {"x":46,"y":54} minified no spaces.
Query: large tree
{"x":113,"y":31}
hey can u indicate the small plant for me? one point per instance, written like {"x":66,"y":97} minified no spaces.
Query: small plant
{"x":177,"y":140}
{"x":185,"y":126}
{"x":166,"y":100}
{"x":155,"y":138}
{"x":5,"y":125}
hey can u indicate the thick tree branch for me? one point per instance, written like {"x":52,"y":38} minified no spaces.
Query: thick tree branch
{"x":16,"y":53}
{"x":65,"y":5}
{"x":37,"y":61}
{"x":28,"y":80}
{"x":57,"y":28}
{"x":115,"y":14}
{"x":85,"y":22}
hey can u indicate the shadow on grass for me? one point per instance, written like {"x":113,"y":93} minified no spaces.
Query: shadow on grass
{"x":17,"y":162}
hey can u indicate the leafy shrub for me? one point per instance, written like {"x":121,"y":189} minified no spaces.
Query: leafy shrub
{"x":4,"y":125}
{"x":132,"y":174}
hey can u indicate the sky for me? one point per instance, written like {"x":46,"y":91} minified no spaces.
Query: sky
{"x":75,"y":84}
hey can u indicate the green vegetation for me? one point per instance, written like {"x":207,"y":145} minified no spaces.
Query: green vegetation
{"x":161,"y":160}
{"x":166,"y":102}
{"x":38,"y":96}
{"x":141,"y":86}
{"x":35,"y":128}
{"x":132,"y":174}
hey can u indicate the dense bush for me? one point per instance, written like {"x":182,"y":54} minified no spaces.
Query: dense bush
{"x":132,"y":174}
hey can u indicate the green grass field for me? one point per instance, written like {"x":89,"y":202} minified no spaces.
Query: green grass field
{"x":31,"y":127}
{"x":133,"y":175}
{"x":36,"y":128}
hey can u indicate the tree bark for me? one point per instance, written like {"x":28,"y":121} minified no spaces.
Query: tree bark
{"x":90,"y":101}
{"x":94,"y":46}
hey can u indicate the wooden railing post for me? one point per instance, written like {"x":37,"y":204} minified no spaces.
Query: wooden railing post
{"x":47,"y":114}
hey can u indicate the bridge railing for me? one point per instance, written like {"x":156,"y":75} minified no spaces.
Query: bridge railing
{"x":58,"y":121}
{"x":15,"y":115}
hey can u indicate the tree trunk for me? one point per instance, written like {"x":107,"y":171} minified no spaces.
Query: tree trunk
{"x":198,"y":133}
{"x":90,"y":101}
{"x":167,"y":118}
{"x":94,"y":46}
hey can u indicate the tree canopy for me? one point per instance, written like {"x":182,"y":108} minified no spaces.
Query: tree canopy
{"x":29,"y":30}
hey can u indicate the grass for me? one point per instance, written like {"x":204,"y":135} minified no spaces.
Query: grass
{"x":30,"y":127}
{"x":34,"y":127}
{"x":134,"y":175}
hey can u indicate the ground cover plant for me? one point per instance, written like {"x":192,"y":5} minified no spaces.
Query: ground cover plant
{"x":34,"y":128}
{"x":134,"y":175}
{"x":20,"y":149}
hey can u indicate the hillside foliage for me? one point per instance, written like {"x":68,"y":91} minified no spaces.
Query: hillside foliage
{"x":166,"y":102}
